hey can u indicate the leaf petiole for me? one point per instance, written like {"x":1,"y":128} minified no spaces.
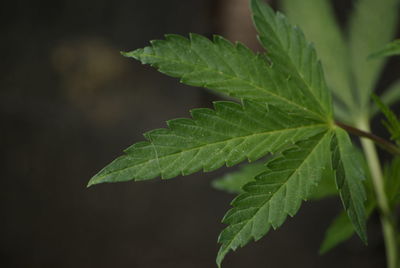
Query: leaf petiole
{"x":384,"y":144}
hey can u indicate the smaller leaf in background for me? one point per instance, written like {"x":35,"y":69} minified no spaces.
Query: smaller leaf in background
{"x":371,"y":26}
{"x":292,"y":55}
{"x":349,"y":176}
{"x":317,"y":20}
{"x":390,"y":49}
{"x":326,"y":186}
{"x":390,"y":96}
{"x":341,"y":229}
{"x":234,"y":181}
{"x":392,"y":178}
{"x":392,"y":124}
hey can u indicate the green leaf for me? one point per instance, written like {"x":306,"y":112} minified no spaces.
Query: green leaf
{"x":372,"y":26}
{"x":341,"y":229}
{"x":291,"y":54}
{"x":390,"y":49}
{"x":392,"y":178}
{"x":389,"y":97}
{"x":233,"y":182}
{"x":326,"y":186}
{"x":349,"y":177}
{"x":227,"y":135}
{"x":230,"y":69}
{"x":392,"y":124}
{"x":317,"y":20}
{"x":276,"y":193}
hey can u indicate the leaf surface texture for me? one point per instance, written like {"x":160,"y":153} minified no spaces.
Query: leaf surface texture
{"x":226,"y":135}
{"x":276,"y":193}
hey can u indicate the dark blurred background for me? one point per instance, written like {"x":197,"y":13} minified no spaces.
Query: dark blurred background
{"x":69,"y":104}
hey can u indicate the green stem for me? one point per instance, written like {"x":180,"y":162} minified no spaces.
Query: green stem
{"x":388,"y":226}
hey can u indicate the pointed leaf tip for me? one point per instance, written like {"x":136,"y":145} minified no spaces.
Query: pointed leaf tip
{"x":132,"y":54}
{"x":92,"y":181}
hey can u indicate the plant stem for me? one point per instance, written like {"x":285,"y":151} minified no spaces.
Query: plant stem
{"x":384,"y":144}
{"x":388,"y":226}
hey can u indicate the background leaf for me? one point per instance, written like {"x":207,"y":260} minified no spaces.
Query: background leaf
{"x":317,"y":20}
{"x":372,"y":25}
{"x":389,"y":97}
{"x":392,"y":124}
{"x":390,"y":49}
{"x":291,"y":54}
{"x":326,"y":186}
{"x":392,"y":178}
{"x":234,"y":181}
{"x":341,"y":229}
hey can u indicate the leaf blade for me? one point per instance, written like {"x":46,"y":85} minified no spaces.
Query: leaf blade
{"x":291,"y":53}
{"x":389,"y":97}
{"x":229,"y":134}
{"x":317,"y":20}
{"x":225,"y":68}
{"x":390,"y":49}
{"x":275,"y":194}
{"x":372,"y":25}
{"x":233,"y":182}
{"x":349,"y":176}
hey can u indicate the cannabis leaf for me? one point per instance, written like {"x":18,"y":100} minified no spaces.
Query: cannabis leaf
{"x":372,"y":26}
{"x":230,"y":69}
{"x":390,"y":49}
{"x":331,"y":46}
{"x":284,"y":108}
{"x":341,"y":229}
{"x":393,"y":123}
{"x":227,"y":135}
{"x":389,"y":96}
{"x":392,"y":176}
{"x":291,"y":54}
{"x":276,"y":193}
{"x":233,"y":182}
{"x":349,"y":176}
